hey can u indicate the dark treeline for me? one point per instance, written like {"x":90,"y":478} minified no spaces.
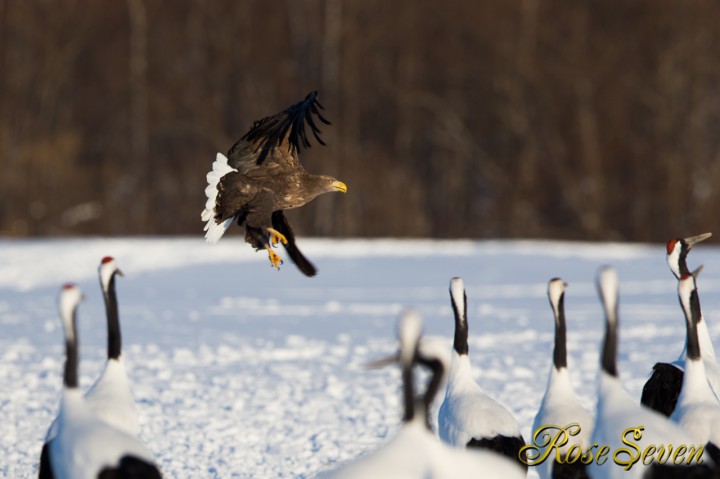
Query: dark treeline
{"x":580,"y":120}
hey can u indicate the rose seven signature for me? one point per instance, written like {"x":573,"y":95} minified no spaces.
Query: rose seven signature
{"x":551,"y":439}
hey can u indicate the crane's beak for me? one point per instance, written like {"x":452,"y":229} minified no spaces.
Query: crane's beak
{"x":382,"y":362}
{"x":696,"y":239}
{"x":696,"y":273}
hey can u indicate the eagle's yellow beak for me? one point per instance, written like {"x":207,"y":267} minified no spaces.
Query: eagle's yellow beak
{"x":339,"y":186}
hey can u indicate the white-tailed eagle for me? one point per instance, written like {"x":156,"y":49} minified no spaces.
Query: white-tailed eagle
{"x":261,"y":176}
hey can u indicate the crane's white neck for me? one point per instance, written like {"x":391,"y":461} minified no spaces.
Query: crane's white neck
{"x":461,"y":375}
{"x":706,"y":346}
{"x":696,"y":387}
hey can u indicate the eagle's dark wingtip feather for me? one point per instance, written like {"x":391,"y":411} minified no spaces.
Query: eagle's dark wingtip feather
{"x":315,"y":110}
{"x":322,"y":118}
{"x":313,"y":127}
{"x":302,"y":133}
{"x":271,"y":131}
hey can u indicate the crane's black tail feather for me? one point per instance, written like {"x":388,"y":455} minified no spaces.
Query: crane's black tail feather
{"x":575,"y":470}
{"x":45,"y":470}
{"x":506,"y":445}
{"x":131,"y":467}
{"x":661,"y":391}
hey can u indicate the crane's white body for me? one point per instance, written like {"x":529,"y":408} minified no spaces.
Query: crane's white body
{"x":85,"y":445}
{"x":697,"y":410}
{"x":468,"y":412}
{"x":561,"y":407}
{"x":617,"y":412}
{"x":621,"y":423}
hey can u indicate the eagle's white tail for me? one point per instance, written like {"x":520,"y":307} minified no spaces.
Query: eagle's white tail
{"x":214,"y":231}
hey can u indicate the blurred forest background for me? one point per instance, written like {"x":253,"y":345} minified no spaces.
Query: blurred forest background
{"x":588,"y":120}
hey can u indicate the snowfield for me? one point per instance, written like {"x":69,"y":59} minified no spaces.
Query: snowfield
{"x":243,"y":371}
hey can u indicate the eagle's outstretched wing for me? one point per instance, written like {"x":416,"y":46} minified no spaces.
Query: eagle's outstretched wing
{"x":285,"y":130}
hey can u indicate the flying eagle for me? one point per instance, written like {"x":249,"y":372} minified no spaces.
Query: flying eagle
{"x":261,"y":176}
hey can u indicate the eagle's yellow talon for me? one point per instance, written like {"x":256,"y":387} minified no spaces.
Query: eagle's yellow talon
{"x":276,"y":237}
{"x":275,"y":260}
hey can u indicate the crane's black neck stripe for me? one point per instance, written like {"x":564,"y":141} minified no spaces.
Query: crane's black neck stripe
{"x":560,"y":350}
{"x":114,"y":346}
{"x":70,"y":376}
{"x":461,"y":326}
{"x":609,"y":354}
{"x":693,"y":343}
{"x":682,"y":259}
{"x":437,"y":370}
{"x":408,"y":397}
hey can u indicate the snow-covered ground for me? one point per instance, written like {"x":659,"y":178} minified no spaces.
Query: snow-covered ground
{"x":243,"y":371}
